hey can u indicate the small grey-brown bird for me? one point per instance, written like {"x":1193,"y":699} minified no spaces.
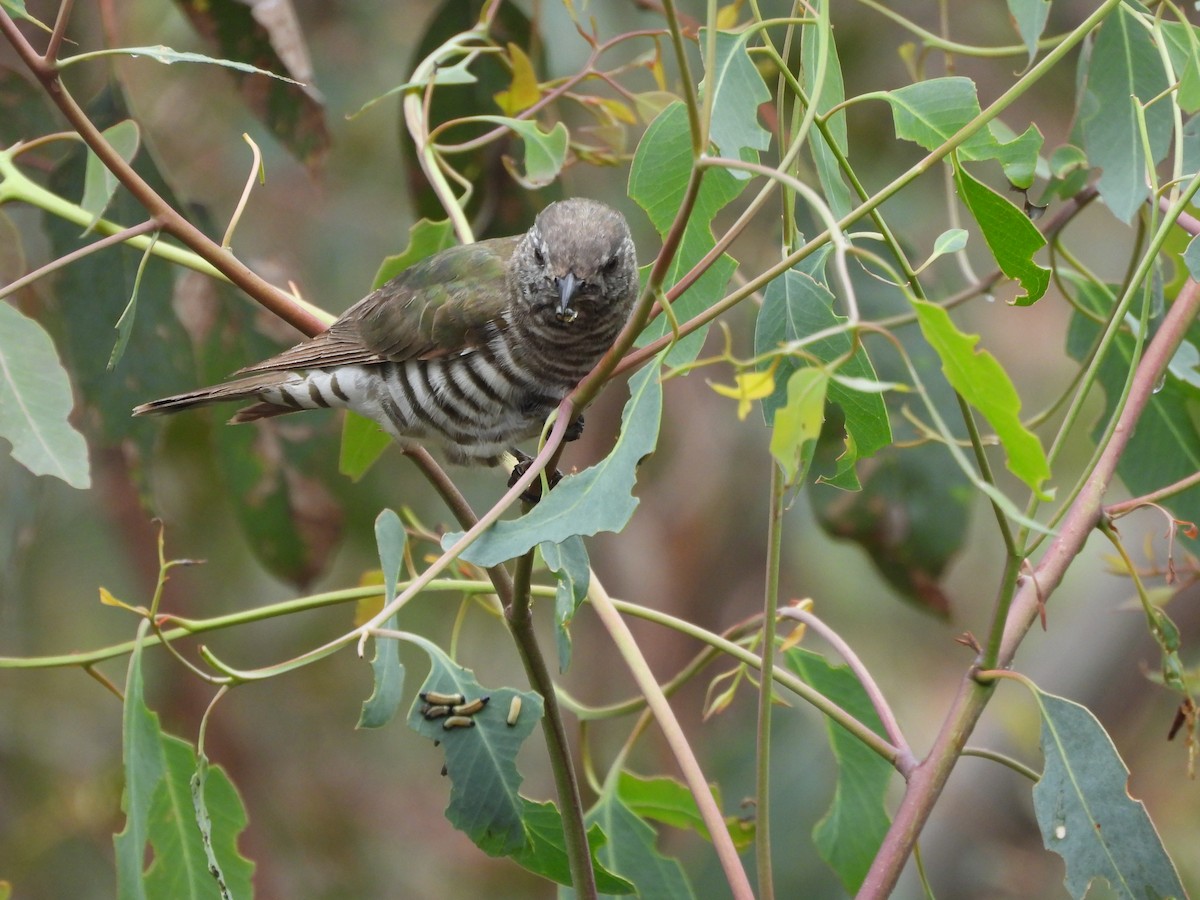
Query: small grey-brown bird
{"x":468,"y":350}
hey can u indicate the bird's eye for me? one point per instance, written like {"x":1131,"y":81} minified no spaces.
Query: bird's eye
{"x":610,"y":265}
{"x":539,"y":254}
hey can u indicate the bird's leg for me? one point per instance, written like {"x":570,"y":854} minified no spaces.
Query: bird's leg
{"x":575,"y":430}
{"x":533,"y":493}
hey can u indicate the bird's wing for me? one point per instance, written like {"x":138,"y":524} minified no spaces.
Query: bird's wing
{"x":444,"y":305}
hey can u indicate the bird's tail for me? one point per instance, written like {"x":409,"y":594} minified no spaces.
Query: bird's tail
{"x":276,"y":392}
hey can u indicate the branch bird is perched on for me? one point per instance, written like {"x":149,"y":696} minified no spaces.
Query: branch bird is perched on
{"x":468,"y":350}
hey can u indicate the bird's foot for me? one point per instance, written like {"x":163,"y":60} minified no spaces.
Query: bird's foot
{"x":533,"y":493}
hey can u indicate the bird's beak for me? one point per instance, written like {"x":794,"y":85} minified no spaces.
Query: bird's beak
{"x":566,"y":290}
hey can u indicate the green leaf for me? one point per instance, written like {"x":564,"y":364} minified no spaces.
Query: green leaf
{"x":195,"y":819}
{"x":144,"y":767}
{"x":930,"y":112}
{"x":738,"y":91}
{"x":1085,"y":812}
{"x":798,"y":422}
{"x":545,"y":151}
{"x":851,"y":832}
{"x":1030,"y":18}
{"x":1165,"y":446}
{"x":599,"y":498}
{"x":666,"y":800}
{"x":657,"y":182}
{"x":950,"y":241}
{"x":1191,"y":257}
{"x":425,"y":238}
{"x":17,"y":8}
{"x":480,"y":760}
{"x":911,"y":518}
{"x":378,"y":709}
{"x":363,"y":442}
{"x":816,"y":40}
{"x":159,"y":809}
{"x":167,"y":56}
{"x":99,"y":184}
{"x":1183,"y":45}
{"x":983,"y":383}
{"x":569,"y":563}
{"x":1010,"y":235}
{"x":545,"y":850}
{"x":124,"y":324}
{"x":631,"y":851}
{"x":35,"y":403}
{"x":796,"y":305}
{"x":1124,"y":65}
{"x":95,"y":290}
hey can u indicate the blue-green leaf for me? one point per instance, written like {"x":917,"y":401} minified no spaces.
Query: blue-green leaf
{"x":658,"y":180}
{"x":35,"y":403}
{"x":814,"y":40}
{"x":738,"y":91}
{"x":1124,"y":68}
{"x":1030,"y":18}
{"x":99,"y":184}
{"x":599,"y":498}
{"x":796,"y":305}
{"x":1086,"y":815}
{"x":850,"y":833}
{"x":378,"y":709}
{"x":481,"y":759}
{"x":569,"y":563}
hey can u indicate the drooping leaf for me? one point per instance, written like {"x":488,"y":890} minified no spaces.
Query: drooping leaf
{"x":822,"y":72}
{"x":99,"y":184}
{"x":1165,"y":446}
{"x":1085,"y":813}
{"x":35,"y":403}
{"x":144,"y":768}
{"x":1010,"y":235}
{"x":190,"y":853}
{"x":378,"y":709}
{"x":124,"y":324}
{"x":630,"y":850}
{"x":545,"y":851}
{"x":480,"y":759}
{"x":797,"y":305}
{"x":599,"y":498}
{"x":1124,"y":68}
{"x":270,"y":39}
{"x":569,"y":563}
{"x":657,"y":182}
{"x":159,"y":810}
{"x":983,"y":383}
{"x":798,"y":422}
{"x":1183,"y":45}
{"x":1029,"y":16}
{"x":91,"y":295}
{"x":738,"y":91}
{"x":851,"y":832}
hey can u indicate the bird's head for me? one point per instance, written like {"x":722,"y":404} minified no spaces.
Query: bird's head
{"x":577,"y":264}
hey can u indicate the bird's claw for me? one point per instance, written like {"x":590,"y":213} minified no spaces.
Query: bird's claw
{"x":533,"y":493}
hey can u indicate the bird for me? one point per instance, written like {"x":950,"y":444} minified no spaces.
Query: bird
{"x":467,"y":351}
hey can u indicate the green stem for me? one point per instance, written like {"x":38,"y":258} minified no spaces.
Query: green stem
{"x":762,"y":788}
